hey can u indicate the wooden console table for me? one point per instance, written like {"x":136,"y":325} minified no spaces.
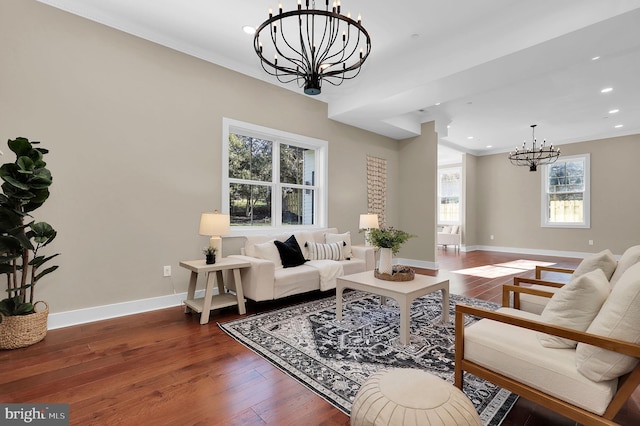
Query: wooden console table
{"x":223,"y":299}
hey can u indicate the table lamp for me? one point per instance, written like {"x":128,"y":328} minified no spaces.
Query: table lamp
{"x":214,"y":225}
{"x":367,"y":222}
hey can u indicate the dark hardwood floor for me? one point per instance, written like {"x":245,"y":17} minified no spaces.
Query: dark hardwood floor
{"x":163,"y":367}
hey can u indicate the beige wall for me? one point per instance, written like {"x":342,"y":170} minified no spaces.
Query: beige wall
{"x":470,"y":197}
{"x":509,"y":206}
{"x":418,"y":190}
{"x":134,"y":131}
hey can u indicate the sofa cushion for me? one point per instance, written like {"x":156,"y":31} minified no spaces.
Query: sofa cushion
{"x":353,"y":266}
{"x":574,"y":306}
{"x":319,"y":251}
{"x":516,"y":353}
{"x":337,"y":238}
{"x":630,"y":257}
{"x":603,"y":260}
{"x":267,"y":251}
{"x":290,"y":253}
{"x":289,"y":281}
{"x":302,"y":237}
{"x":618,"y":319}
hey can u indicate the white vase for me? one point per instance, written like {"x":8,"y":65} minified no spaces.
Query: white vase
{"x":385,"y":266}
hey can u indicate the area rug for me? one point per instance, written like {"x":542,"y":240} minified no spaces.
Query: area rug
{"x":334,"y":358}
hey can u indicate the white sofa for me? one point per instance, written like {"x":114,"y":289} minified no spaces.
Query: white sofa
{"x":267,"y":279}
{"x":449,"y":236}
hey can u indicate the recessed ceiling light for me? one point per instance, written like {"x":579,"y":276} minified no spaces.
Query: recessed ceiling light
{"x":606,"y":90}
{"x":437,"y":103}
{"x":595,"y":58}
{"x":617,"y":126}
{"x":249,"y":29}
{"x":613,"y":111}
{"x":469,"y":137}
{"x":489,"y":146}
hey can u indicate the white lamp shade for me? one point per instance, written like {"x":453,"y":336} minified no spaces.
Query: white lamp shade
{"x":215,"y":224}
{"x":369,"y":221}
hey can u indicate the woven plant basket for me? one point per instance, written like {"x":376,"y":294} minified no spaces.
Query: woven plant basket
{"x":23,"y":330}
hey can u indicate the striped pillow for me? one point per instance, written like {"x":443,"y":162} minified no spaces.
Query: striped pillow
{"x":330,"y":251}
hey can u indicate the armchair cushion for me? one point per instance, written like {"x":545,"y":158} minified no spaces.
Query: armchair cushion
{"x":603,"y":260}
{"x":574,"y":305}
{"x":630,"y":257}
{"x":618,"y":319}
{"x":516,"y":353}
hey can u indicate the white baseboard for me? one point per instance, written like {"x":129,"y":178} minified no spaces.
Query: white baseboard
{"x":99,"y":313}
{"x":519,"y":250}
{"x":416,"y":263}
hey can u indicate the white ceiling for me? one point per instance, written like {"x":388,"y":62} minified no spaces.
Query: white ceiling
{"x":494,"y":66}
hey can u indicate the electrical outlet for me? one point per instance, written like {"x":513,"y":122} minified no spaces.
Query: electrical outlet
{"x":491,"y":237}
{"x":590,"y":242}
{"x":167,"y":271}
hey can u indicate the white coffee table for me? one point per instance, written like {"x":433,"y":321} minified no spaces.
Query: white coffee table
{"x":403,"y":292}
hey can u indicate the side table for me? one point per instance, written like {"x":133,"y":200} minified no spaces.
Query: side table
{"x":214,"y":273}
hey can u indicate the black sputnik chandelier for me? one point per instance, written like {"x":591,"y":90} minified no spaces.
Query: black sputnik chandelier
{"x":309,"y":46}
{"x":534,"y":157}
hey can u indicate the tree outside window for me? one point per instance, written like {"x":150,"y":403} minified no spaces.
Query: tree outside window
{"x":272,"y":180}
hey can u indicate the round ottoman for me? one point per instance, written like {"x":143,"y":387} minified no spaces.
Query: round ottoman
{"x":406,"y":396}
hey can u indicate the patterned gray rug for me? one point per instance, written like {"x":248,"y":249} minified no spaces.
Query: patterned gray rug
{"x":334,"y":358}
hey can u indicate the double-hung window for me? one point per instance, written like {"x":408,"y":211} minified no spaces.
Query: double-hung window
{"x":272,"y":178}
{"x":449,"y":195}
{"x":566,"y":193}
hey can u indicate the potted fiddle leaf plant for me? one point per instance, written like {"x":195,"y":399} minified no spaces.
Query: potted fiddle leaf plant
{"x":388,"y":240}
{"x":25,"y":188}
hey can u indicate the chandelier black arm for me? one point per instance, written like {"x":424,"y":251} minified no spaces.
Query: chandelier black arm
{"x":352,"y":67}
{"x":333,"y":27}
{"x":280,"y":16}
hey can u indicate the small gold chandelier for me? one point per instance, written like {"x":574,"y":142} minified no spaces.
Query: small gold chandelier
{"x":534,"y":157}
{"x":310,"y":46}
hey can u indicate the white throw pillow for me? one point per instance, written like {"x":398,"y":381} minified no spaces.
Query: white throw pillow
{"x":268,"y":251}
{"x":603,"y":260}
{"x":339,"y":238}
{"x":619,"y":319}
{"x":319,"y":251}
{"x":574,"y":306}
{"x":630,"y":257}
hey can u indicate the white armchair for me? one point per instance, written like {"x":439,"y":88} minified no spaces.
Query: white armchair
{"x":580,"y":357}
{"x":449,"y":236}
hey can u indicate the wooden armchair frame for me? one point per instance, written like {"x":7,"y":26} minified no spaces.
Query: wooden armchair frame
{"x":626,"y":384}
{"x":537,"y":280}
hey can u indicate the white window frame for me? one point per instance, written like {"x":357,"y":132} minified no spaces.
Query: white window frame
{"x":321,"y":148}
{"x":586,"y":195}
{"x":449,"y":222}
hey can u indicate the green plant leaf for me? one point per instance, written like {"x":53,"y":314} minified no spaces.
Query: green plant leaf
{"x":45,"y":272}
{"x":21,"y":146}
{"x":26,"y":165}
